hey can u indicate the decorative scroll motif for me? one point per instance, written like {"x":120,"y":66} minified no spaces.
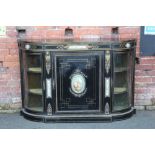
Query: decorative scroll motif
{"x":78,"y":83}
{"x":48,"y":88}
{"x":107,"y":109}
{"x":107,"y":87}
{"x":60,"y":47}
{"x":48,"y":62}
{"x":77,"y":47}
{"x":125,"y":45}
{"x":93,"y":47}
{"x":49,"y":109}
{"x":107,"y":61}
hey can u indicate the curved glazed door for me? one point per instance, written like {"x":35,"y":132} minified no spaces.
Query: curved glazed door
{"x":33,"y":72}
{"x":121,"y":80}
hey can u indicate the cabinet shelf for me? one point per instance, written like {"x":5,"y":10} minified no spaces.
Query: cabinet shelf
{"x":119,"y":90}
{"x":35,"y":91}
{"x":34,"y":70}
{"x":120,"y":69}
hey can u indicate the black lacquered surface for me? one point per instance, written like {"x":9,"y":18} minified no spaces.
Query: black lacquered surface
{"x":60,"y":83}
{"x":88,"y":67}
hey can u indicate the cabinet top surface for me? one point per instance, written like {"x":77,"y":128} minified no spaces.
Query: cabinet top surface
{"x":76,"y":45}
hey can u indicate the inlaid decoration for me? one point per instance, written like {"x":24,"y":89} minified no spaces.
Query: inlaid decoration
{"x":27,"y":47}
{"x":78,"y":84}
{"x":107,"y":61}
{"x":48,"y":88}
{"x":107,"y":108}
{"x":49,"y":109}
{"x":107,"y":87}
{"x":76,"y":78}
{"x":48,"y":62}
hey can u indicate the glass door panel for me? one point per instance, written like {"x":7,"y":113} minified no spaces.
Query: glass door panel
{"x":121,"y":81}
{"x":34,"y":85}
{"x":34,"y":60}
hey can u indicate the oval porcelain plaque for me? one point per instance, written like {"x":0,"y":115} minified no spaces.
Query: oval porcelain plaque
{"x":78,"y":83}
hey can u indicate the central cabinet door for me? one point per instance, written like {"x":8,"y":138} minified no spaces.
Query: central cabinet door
{"x":77,"y":82}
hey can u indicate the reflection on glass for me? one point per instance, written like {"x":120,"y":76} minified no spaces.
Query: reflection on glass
{"x":120,"y":60}
{"x":34,"y":81}
{"x":35,"y":102}
{"x":121,"y":101}
{"x":33,"y":60}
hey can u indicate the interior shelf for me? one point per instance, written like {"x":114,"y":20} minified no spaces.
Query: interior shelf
{"x":120,"y":90}
{"x":35,"y":70}
{"x":36,"y":91}
{"x":121,"y":69}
